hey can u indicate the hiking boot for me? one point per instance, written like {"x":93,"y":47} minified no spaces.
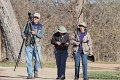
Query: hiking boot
{"x":85,"y":78}
{"x":58,"y":78}
{"x":76,"y":78}
{"x":62,"y":77}
{"x":36,"y":75}
{"x":29,"y":77}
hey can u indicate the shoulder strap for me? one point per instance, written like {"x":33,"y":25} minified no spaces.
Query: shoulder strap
{"x":77,"y":35}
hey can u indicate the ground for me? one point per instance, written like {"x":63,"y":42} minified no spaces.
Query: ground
{"x":7,"y":73}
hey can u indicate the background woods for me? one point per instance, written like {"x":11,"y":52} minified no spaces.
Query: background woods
{"x":102,"y":17}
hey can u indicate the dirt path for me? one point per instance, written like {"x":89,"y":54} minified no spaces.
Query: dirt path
{"x":7,"y":73}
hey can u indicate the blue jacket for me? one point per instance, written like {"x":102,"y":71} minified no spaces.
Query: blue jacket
{"x":26,"y":33}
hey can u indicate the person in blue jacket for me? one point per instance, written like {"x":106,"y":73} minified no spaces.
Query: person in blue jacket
{"x":33,"y":50}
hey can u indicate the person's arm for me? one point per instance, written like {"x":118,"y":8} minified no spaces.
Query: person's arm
{"x":73,"y":39}
{"x":90,"y":44}
{"x":53,"y":41}
{"x":40,"y":33}
{"x":68,"y":40}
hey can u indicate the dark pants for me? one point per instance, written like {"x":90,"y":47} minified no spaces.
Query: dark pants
{"x":61,"y":57}
{"x":77,"y":63}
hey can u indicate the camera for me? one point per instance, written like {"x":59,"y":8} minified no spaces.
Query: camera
{"x":30,"y":16}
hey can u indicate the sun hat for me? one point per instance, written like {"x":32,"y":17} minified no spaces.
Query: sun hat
{"x":62,"y":29}
{"x":82,"y":24}
{"x":37,"y":15}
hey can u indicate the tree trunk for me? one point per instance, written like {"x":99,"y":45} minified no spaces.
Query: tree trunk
{"x":78,"y":9}
{"x":10,"y":26}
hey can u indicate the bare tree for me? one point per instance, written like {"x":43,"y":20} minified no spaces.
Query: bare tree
{"x":104,"y":18}
{"x":9,"y":24}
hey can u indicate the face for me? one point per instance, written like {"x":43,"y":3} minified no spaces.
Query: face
{"x":36,"y":20}
{"x":61,"y":33}
{"x":82,"y":29}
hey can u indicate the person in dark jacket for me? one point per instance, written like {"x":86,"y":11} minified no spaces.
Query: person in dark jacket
{"x":61,"y":42}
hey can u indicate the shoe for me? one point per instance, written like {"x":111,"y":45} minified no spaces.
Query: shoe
{"x":58,"y":78}
{"x":36,"y":75}
{"x":62,"y":77}
{"x":29,"y":77}
{"x":76,"y":78}
{"x":85,"y":78}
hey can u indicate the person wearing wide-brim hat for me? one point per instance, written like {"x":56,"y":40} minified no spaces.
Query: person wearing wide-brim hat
{"x":62,"y":29}
{"x":61,"y":41}
{"x":82,"y":46}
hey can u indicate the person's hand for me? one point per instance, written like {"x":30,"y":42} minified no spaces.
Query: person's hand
{"x":33,"y":32}
{"x":77,"y":43}
{"x":58,"y":43}
{"x":25,"y":38}
{"x":67,"y":44}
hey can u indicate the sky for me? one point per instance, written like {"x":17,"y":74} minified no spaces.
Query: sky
{"x":92,"y":1}
{"x":67,"y":1}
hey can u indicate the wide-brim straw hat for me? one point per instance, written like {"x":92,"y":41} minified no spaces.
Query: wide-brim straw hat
{"x":62,"y":29}
{"x":82,"y":24}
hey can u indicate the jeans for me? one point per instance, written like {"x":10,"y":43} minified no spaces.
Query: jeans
{"x":77,"y":63}
{"x":33,"y":52}
{"x":61,"y":58}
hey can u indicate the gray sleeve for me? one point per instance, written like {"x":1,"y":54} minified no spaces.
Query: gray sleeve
{"x":40,"y":33}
